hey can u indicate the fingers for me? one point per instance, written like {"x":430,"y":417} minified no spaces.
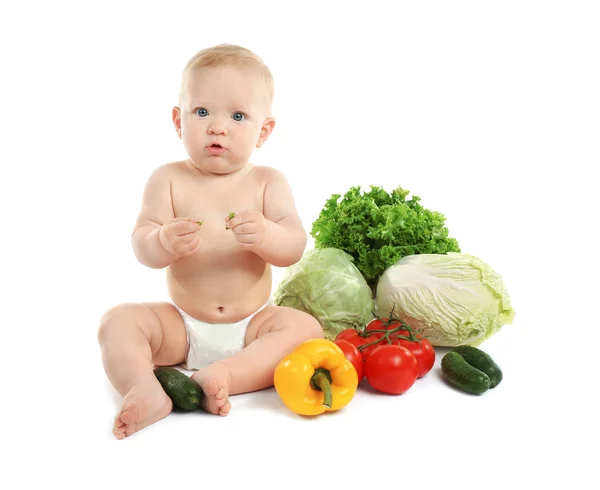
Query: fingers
{"x":187,"y":239}
{"x":246,"y":238}
{"x":246,"y":217}
{"x":185,"y":227}
{"x":179,"y":236}
{"x":244,"y":228}
{"x":234,"y":220}
{"x":191,"y":247}
{"x":185,"y":246}
{"x":176,"y":220}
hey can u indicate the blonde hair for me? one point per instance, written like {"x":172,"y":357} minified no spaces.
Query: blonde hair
{"x":227,"y":55}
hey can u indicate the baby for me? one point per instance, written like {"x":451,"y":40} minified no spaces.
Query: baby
{"x":217,"y":223}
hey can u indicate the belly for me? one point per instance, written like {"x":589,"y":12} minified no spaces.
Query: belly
{"x":220,"y":286}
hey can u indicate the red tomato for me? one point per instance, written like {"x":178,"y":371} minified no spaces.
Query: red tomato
{"x":422,"y":350}
{"x":352,"y":336}
{"x":347,"y":334}
{"x":378,"y":324}
{"x":353,"y":355}
{"x":366,"y":352}
{"x":391,"y":369}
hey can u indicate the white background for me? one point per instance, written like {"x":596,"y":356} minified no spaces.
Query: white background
{"x":489,"y":111}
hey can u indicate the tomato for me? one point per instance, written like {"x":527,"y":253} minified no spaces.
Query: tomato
{"x":391,"y":369}
{"x":353,"y":355}
{"x":353,"y":337}
{"x":347,"y":334}
{"x":379,"y":324}
{"x":366,"y":352}
{"x":422,"y":350}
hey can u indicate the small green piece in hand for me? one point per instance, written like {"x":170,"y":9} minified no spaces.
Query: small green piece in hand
{"x":231,"y":215}
{"x":199,"y":222}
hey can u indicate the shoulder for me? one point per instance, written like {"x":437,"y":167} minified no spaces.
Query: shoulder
{"x":167,"y":171}
{"x":268,"y":175}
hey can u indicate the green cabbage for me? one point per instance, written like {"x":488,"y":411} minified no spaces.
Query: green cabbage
{"x":452,"y":299}
{"x":327,"y":285}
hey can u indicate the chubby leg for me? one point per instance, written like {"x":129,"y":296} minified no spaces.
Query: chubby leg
{"x":272,"y":334}
{"x":133,"y":339}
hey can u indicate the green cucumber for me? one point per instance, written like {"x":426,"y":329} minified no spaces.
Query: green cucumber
{"x":482,"y":361}
{"x":183,"y":391}
{"x":459,"y":373}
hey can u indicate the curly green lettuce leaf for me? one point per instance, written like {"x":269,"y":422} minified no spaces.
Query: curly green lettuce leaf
{"x":378,"y":228}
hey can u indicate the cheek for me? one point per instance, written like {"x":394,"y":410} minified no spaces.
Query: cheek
{"x":255,"y":136}
{"x":190,"y":131}
{"x":247,"y":138}
{"x":188,"y":137}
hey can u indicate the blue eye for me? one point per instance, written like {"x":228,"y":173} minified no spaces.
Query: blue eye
{"x":201,"y":112}
{"x":238,"y":116}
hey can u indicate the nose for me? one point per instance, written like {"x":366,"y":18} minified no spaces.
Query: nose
{"x":217,"y":127}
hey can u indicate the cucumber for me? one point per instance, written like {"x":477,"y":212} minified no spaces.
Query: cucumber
{"x":482,"y":361}
{"x":459,"y":373}
{"x":183,"y":391}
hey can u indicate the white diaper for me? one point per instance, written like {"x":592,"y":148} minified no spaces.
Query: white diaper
{"x":211,"y":342}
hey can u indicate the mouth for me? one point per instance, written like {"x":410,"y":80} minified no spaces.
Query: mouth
{"x":215,"y":149}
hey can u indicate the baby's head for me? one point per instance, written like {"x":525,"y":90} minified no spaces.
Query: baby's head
{"x":225,"y":99}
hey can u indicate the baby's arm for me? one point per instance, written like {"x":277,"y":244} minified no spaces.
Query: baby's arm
{"x":157,"y":210}
{"x":285,"y":236}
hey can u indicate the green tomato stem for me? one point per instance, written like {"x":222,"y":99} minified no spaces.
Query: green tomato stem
{"x":386,"y":335}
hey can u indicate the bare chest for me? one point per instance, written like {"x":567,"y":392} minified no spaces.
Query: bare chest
{"x":212,"y":203}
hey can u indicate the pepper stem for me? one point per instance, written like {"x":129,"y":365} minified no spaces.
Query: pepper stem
{"x":321,"y":381}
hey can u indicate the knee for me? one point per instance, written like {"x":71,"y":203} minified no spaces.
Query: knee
{"x":311,"y":328}
{"x":113,"y":320}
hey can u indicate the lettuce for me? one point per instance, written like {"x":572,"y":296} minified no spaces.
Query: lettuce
{"x":377,"y":229}
{"x":452,"y":299}
{"x":328,"y":286}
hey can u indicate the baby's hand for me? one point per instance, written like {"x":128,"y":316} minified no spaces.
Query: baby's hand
{"x":249,"y":228}
{"x":178,"y":236}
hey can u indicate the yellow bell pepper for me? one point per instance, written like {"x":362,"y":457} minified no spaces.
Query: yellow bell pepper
{"x":316,"y":377}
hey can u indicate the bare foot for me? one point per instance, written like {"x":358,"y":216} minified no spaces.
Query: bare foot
{"x":144,"y":404}
{"x":215,"y":381}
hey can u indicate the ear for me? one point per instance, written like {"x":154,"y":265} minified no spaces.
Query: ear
{"x":176,"y":116}
{"x":265,"y":132}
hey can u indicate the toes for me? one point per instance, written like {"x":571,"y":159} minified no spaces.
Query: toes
{"x":119,"y":430}
{"x":211,"y":388}
{"x":130,"y":429}
{"x":119,"y":426}
{"x":221,"y":394}
{"x":118,"y":422}
{"x":225,"y":409}
{"x":130,"y":415}
{"x":126,"y":421}
{"x":122,"y":428}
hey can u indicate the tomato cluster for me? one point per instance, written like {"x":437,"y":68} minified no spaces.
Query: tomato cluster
{"x":389,"y":353}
